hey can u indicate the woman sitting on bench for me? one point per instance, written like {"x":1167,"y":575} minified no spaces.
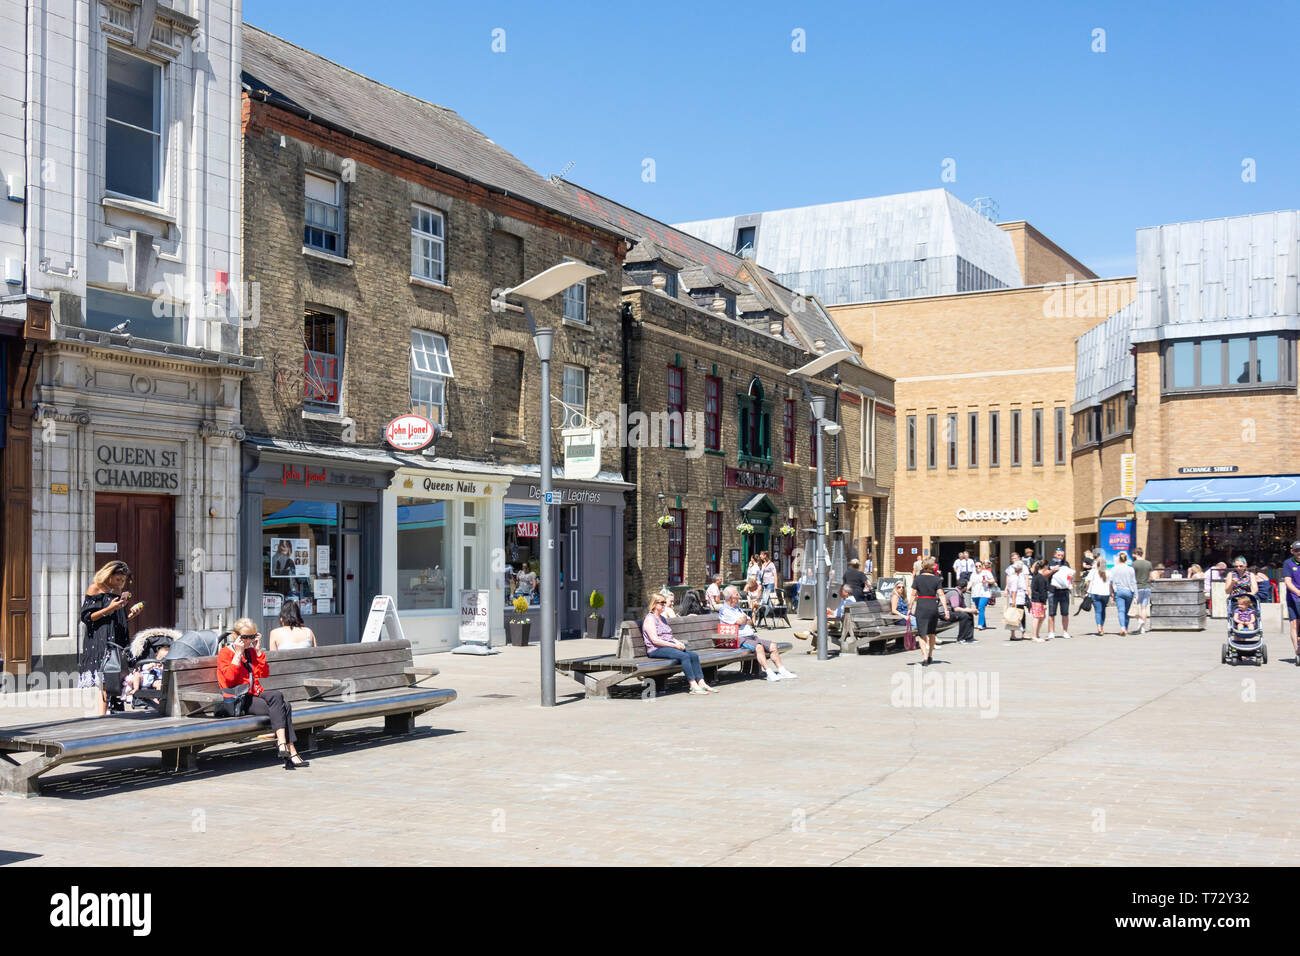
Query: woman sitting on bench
{"x":241,"y":663}
{"x":661,"y":645}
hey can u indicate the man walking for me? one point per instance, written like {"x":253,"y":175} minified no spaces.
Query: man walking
{"x":1142,"y":596}
{"x":1058,"y":599}
{"x":1291,"y":582}
{"x":963,"y":568}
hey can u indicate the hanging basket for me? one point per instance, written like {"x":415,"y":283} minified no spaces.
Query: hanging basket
{"x":787,"y":531}
{"x":666,"y":521}
{"x":745,"y":528}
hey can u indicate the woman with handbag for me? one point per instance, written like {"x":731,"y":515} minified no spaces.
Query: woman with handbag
{"x":240,"y":664}
{"x":1099,"y":594}
{"x":104,"y":614}
{"x":1017,"y":596}
{"x":928,"y":601}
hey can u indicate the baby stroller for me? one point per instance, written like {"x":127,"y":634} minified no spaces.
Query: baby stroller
{"x":122,"y":661}
{"x":1245,"y":642}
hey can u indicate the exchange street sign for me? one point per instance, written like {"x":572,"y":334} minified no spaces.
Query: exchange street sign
{"x":1207,"y":469}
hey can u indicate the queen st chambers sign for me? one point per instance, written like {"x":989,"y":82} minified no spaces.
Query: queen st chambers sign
{"x":131,"y":465}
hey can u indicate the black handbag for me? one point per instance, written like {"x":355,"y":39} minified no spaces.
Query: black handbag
{"x":1086,"y":604}
{"x":236,"y":701}
{"x":114,"y":667}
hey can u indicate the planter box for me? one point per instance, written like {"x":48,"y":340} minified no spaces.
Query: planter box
{"x":1177,"y":604}
{"x":518,"y":632}
{"x":595,"y":626}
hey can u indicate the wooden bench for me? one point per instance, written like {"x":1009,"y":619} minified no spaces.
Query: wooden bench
{"x":326,"y":685}
{"x":631,"y":662}
{"x":868,"y":624}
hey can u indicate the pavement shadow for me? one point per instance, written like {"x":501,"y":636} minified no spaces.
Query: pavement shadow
{"x":140,"y":772}
{"x":15,"y":856}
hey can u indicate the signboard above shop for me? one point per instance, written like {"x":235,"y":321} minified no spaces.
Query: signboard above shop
{"x":409,"y":432}
{"x":123,"y":464}
{"x":754,"y":480}
{"x":1207,"y":469}
{"x":581,"y":453}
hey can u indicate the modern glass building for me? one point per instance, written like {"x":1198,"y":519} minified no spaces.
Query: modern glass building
{"x":888,"y":247}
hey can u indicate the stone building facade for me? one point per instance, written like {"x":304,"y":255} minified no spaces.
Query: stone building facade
{"x":377,"y":244}
{"x":122,"y":230}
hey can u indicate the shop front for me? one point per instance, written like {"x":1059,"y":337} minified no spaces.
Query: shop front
{"x":443,"y":536}
{"x":990,"y":534}
{"x":588,"y":525}
{"x":1207,"y":520}
{"x":312,"y":534}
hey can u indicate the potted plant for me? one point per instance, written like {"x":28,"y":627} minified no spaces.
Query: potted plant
{"x":596,"y":621}
{"x":745,"y":528}
{"x":519,"y":625}
{"x":665,"y":521}
{"x":786,"y":530}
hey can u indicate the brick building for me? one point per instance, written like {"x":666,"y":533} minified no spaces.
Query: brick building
{"x":377,"y":227}
{"x":984,"y":384}
{"x":1197,"y":380}
{"x":709,"y":339}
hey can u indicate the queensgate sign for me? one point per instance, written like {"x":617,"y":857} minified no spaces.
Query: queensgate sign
{"x":1004,"y":515}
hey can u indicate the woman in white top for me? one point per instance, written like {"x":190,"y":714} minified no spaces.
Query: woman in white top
{"x":1123,"y":584}
{"x":291,"y":633}
{"x":1017,"y":594}
{"x":981,"y":587}
{"x":1099,"y":592}
{"x":755,"y":569}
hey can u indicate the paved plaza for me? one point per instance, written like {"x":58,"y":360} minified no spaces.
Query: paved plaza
{"x":1140,"y":750}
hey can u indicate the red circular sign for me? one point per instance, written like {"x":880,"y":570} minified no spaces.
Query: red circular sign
{"x":409,"y":432}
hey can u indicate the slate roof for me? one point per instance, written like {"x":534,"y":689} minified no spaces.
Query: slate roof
{"x":330,"y":93}
{"x":710,"y":266}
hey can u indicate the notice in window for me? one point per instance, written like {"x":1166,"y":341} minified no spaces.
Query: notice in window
{"x":323,"y":559}
{"x":290,"y":557}
{"x":324,"y":589}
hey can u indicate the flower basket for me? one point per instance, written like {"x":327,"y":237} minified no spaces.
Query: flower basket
{"x":666,"y":521}
{"x":787,"y":531}
{"x":745,"y":528}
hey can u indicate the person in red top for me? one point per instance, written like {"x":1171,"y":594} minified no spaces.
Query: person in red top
{"x":242,"y":661}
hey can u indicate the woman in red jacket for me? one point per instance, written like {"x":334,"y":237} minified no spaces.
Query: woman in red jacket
{"x":242,"y":662}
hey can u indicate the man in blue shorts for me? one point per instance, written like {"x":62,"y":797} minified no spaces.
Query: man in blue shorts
{"x":1291,"y":582}
{"x":730,"y":613}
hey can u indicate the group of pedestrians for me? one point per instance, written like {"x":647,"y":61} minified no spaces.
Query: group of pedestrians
{"x":241,"y":662}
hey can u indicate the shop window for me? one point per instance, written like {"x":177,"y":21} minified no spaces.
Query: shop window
{"x":322,"y":360}
{"x":428,"y":259}
{"x":574,"y":396}
{"x":507,"y":383}
{"x":430,"y":370}
{"x":323,"y":214}
{"x":712,"y":542}
{"x":1015,"y":437}
{"x":931,"y":441}
{"x":133,"y":140}
{"x":300,"y":556}
{"x":972,"y":439}
{"x":423,"y":560}
{"x":676,"y":403}
{"x":713,"y":413}
{"x":911,"y":443}
{"x":523,"y":557}
{"x":1229,"y":364}
{"x":995,"y":439}
{"x":677,"y":547}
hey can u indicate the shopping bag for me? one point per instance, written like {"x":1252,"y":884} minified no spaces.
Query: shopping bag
{"x":909,"y":638}
{"x":728,"y":636}
{"x":1012,"y":615}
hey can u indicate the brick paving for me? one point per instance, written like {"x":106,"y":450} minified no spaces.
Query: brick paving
{"x":1141,"y":750}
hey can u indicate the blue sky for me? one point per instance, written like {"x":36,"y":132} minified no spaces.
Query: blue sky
{"x":1088,"y":146}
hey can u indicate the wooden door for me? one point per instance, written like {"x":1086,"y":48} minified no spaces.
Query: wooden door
{"x":141,"y":530}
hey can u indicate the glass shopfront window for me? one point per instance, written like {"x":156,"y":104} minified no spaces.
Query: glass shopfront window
{"x":1262,"y":542}
{"x":523,"y":558}
{"x":300,"y":556}
{"x":423,"y":566}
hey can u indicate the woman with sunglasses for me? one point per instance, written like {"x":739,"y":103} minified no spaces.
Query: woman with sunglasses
{"x":104,"y":614}
{"x":241,"y":663}
{"x":1239,"y":580}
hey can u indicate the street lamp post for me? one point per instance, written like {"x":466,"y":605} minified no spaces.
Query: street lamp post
{"x":818,"y":404}
{"x":543,"y":339}
{"x":542,"y":286}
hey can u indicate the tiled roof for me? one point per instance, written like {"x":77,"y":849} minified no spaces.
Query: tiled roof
{"x":289,"y":76}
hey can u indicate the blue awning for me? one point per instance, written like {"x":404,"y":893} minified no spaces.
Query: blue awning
{"x":1238,"y":493}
